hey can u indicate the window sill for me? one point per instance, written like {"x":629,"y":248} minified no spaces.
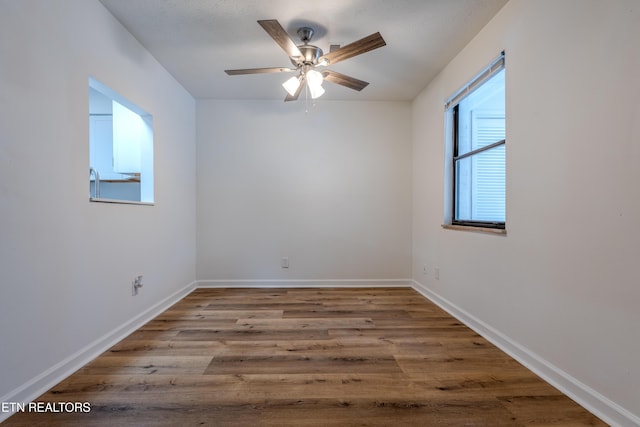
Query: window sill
{"x":499,"y":231}
{"x":119,"y":201}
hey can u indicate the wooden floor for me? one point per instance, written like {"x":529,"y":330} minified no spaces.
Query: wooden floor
{"x":307,"y":357}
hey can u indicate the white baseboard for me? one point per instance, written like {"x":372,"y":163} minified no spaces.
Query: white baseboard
{"x":319,"y":283}
{"x":604,"y":408}
{"x":52,"y":376}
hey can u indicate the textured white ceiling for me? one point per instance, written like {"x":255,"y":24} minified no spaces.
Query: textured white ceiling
{"x":196,"y":40}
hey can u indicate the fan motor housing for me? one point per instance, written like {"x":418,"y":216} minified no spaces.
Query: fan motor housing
{"x":310,"y":55}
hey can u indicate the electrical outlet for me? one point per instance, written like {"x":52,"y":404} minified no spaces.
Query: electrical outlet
{"x":136,"y":285}
{"x":285,"y":262}
{"x":425,"y":270}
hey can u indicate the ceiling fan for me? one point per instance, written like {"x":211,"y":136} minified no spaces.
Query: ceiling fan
{"x":306,"y":58}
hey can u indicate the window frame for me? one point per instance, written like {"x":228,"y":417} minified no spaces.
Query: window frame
{"x":452,"y":109}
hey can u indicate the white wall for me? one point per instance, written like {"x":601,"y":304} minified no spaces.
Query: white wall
{"x":330,"y":189}
{"x":66,"y":264}
{"x":563,"y":284}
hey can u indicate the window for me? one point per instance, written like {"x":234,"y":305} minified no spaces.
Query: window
{"x":120,"y":148}
{"x":477,"y":133}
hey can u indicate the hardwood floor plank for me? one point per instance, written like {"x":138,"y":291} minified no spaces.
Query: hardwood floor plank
{"x":385,"y":412}
{"x":185,"y":325}
{"x":305,"y":323}
{"x":306,"y":357}
{"x":334,"y":347}
{"x":268,"y":306}
{"x":203,"y":314}
{"x":251,"y":335}
{"x":144,"y":364}
{"x":299,"y":364}
{"x":393,"y":334}
{"x":342,"y":314}
{"x":165,"y":348}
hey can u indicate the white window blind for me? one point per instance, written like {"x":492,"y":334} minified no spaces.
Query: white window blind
{"x":488,"y":167}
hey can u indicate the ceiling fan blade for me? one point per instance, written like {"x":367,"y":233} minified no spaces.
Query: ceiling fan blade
{"x":344,"y":80}
{"x":295,"y":96}
{"x":358,"y":47}
{"x":279,"y":34}
{"x":259,"y":70}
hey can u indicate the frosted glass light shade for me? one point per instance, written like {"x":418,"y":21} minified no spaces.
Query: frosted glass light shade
{"x":316,"y":91}
{"x":291,"y":85}
{"x":314,"y":80}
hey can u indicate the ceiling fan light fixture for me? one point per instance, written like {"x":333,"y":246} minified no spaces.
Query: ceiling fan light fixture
{"x":314,"y":78}
{"x":316,"y":92}
{"x":292,"y":85}
{"x":314,"y":81}
{"x":305,"y":57}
